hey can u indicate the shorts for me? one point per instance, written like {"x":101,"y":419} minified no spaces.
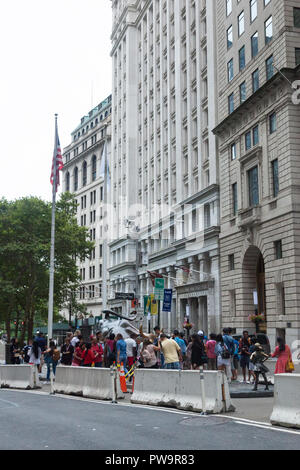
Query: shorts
{"x":251,"y":366}
{"x":244,"y":362}
{"x":223,"y":362}
{"x":172,"y":365}
{"x":235,"y":364}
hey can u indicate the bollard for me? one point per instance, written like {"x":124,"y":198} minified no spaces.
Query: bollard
{"x":52,"y":392}
{"x":113,"y":384}
{"x":202,"y":384}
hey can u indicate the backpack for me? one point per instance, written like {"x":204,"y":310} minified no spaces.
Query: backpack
{"x":225,"y":353}
{"x":56,"y":355}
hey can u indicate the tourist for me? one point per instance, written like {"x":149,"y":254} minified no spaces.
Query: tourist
{"x":75,"y":340}
{"x":148,"y":354}
{"x":121,"y":351}
{"x":181,"y":344}
{"x":131,"y":350}
{"x":78,"y":355}
{"x":35,"y":354}
{"x":283,"y":353}
{"x":199,"y":357}
{"x":51,"y":356}
{"x":97,"y":350}
{"x":171,"y":351}
{"x":236,"y":361}
{"x":223,"y":357}
{"x":88,"y":356}
{"x":67,"y":351}
{"x":210,"y":350}
{"x":26,"y":351}
{"x":109,"y":350}
{"x":15,"y":351}
{"x":244,"y":347}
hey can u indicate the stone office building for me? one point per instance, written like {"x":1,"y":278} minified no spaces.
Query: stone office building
{"x":259,"y":157}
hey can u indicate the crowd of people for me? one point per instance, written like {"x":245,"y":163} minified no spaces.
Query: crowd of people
{"x":157,"y":350}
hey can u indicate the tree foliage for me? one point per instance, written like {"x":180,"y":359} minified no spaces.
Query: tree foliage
{"x":25,"y":232}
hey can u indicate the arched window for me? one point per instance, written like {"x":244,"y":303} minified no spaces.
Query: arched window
{"x":68,"y":181}
{"x":84,"y":173}
{"x":94,"y":168}
{"x":75,"y":178}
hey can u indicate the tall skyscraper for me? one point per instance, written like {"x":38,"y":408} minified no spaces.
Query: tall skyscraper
{"x":164,"y":168}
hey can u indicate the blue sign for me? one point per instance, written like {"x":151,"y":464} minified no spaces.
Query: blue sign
{"x":167,"y":303}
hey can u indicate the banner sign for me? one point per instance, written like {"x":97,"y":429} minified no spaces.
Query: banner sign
{"x":167,"y":300}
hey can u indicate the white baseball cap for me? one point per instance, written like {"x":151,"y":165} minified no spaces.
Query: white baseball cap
{"x":200,"y":333}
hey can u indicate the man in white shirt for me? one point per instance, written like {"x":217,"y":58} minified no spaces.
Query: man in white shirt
{"x":75,"y":338}
{"x":131,"y":350}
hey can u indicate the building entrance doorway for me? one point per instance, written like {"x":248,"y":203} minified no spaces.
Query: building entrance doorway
{"x":254,"y":288}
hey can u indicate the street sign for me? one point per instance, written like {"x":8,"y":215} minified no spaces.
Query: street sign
{"x":124,"y":295}
{"x":167,"y":300}
{"x":159,"y":286}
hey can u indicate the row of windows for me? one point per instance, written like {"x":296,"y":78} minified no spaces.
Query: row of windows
{"x":242,"y":51}
{"x":253,"y":7}
{"x":90,"y":292}
{"x":255,"y":84}
{"x":84,"y":130}
{"x":84,"y":175}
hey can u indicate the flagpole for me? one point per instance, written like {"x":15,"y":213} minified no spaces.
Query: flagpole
{"x":51,"y":271}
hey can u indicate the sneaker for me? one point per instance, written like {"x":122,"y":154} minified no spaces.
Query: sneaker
{"x":47,"y":382}
{"x":248,"y":382}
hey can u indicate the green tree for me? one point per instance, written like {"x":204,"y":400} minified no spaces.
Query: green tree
{"x":25,"y":227}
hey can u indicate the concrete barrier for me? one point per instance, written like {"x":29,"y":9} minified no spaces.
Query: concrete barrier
{"x":17,"y":376}
{"x":89,"y":382}
{"x":181,"y":389}
{"x":286,"y":409}
{"x":2,"y":352}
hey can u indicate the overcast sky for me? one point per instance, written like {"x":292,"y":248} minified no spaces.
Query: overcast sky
{"x":55,"y":58}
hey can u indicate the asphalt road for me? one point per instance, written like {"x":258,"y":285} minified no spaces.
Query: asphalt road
{"x":38,"y":421}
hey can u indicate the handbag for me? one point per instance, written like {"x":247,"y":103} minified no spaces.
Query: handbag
{"x":289,"y":367}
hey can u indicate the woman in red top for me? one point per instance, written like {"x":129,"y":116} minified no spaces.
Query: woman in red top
{"x":88,"y":355}
{"x":98,"y":352}
{"x":77,"y":356}
{"x":283,"y":352}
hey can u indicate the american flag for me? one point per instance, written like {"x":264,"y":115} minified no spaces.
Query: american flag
{"x":153,"y":275}
{"x":59,"y":164}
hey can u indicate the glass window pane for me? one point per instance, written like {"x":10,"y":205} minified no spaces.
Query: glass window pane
{"x":242,"y":59}
{"x":269,"y":68}
{"x":254,"y":44}
{"x":229,"y":37}
{"x":253,"y":186}
{"x":268,"y":30}
{"x":241,"y":23}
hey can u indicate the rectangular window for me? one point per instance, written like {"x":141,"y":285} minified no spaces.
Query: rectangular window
{"x":241,"y":23}
{"x":253,"y":10}
{"x":253,"y":187}
{"x":228,"y":7}
{"x":233,"y":151}
{"x":266,"y":2}
{"x":234,"y":199}
{"x":275,"y":177}
{"x":268,"y":30}
{"x":255,"y":80}
{"x":230,"y":70}
{"x":231,"y":262}
{"x":255,"y":134}
{"x":269,"y":67}
{"x":272,"y":123}
{"x":297,"y":56}
{"x":229,"y":37}
{"x":248,"y":141}
{"x":296,"y":17}
{"x":242,"y":92}
{"x":231,"y":103}
{"x":242,"y":58}
{"x":254,"y":44}
{"x":278,"y":249}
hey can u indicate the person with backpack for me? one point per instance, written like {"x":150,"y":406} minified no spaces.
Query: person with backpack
{"x":223,"y":356}
{"x":109,"y":350}
{"x":51,"y":357}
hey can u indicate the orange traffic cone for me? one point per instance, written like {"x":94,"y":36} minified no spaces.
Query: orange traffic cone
{"x":122,"y":379}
